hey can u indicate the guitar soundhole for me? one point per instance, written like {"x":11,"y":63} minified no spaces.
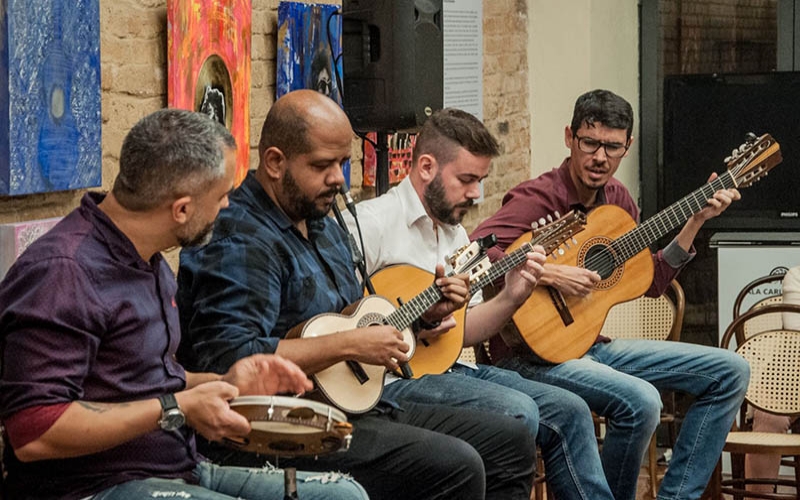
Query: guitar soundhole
{"x":600,"y":259}
{"x":371,"y":319}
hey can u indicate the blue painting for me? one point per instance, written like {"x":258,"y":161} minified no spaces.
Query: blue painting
{"x":310,"y":51}
{"x":50,"y":108}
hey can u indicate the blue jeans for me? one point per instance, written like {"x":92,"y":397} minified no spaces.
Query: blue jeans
{"x":620,"y":380}
{"x":424,"y":452}
{"x":560,"y":420}
{"x":219,"y":483}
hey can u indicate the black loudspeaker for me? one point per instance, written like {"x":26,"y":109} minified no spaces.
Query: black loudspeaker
{"x":393,"y":62}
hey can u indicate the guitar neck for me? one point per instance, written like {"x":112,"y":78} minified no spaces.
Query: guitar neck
{"x":639,"y":238}
{"x":412,"y":310}
{"x":501,"y":267}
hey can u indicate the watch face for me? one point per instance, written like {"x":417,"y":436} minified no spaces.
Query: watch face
{"x":172,"y":419}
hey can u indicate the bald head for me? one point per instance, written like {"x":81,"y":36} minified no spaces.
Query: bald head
{"x":291,"y":118}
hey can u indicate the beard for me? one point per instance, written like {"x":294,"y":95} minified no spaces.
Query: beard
{"x":436,"y":199}
{"x":298,"y":205}
{"x":196,"y":238}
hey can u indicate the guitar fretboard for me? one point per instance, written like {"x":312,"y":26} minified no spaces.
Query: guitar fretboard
{"x":639,"y":238}
{"x":409,"y":312}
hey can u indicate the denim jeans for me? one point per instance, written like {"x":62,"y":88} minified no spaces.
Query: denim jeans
{"x":559,"y":420}
{"x":222,"y":483}
{"x":424,"y":452}
{"x":620,"y":380}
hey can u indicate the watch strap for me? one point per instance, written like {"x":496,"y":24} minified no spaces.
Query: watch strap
{"x":168,"y":401}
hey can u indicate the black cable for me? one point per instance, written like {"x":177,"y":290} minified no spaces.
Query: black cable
{"x":357,"y":257}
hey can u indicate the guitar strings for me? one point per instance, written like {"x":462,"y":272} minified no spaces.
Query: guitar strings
{"x":612,"y":256}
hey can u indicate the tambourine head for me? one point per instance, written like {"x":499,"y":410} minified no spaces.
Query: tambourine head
{"x":284,"y":426}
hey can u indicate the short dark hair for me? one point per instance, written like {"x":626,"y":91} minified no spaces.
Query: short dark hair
{"x":171,"y":152}
{"x":285,"y":128}
{"x":448,"y":129}
{"x":605,"y":107}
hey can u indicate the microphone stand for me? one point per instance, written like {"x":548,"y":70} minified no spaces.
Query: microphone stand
{"x":360,"y":261}
{"x":355,"y":253}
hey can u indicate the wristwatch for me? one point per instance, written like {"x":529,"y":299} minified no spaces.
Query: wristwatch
{"x":172,"y":418}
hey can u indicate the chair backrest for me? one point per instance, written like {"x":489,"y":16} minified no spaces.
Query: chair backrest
{"x":763,"y":322}
{"x":774,"y":358}
{"x":476,"y":354}
{"x":649,"y":318}
{"x":467,"y":355}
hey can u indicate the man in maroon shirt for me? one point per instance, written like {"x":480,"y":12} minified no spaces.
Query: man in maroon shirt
{"x":91,"y":396}
{"x":620,"y":379}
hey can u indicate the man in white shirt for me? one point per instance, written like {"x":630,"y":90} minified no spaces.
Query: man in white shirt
{"x":418,"y":223}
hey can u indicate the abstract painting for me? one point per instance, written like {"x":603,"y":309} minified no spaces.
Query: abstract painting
{"x":50,"y":104}
{"x":209,"y":65}
{"x":309,"y":51}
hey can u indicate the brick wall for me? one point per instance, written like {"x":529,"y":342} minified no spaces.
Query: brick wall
{"x":134,"y":83}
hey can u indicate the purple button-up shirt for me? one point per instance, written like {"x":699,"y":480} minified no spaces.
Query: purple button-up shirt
{"x":83,"y":317}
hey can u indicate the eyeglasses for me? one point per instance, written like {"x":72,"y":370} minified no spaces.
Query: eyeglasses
{"x":590,"y":146}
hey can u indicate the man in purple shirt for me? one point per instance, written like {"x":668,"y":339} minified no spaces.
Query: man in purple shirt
{"x":620,"y":379}
{"x":91,"y":397}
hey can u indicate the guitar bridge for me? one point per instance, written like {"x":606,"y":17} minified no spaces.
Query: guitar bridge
{"x":561,"y":306}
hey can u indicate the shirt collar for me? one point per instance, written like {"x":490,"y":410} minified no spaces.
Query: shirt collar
{"x":262,"y":202}
{"x":267,"y":205}
{"x":120,"y":246}
{"x":415,"y":211}
{"x":572,"y":193}
{"x":413,"y":208}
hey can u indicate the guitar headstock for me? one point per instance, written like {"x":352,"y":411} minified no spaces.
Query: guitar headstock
{"x":559,"y":231}
{"x":754,"y":159}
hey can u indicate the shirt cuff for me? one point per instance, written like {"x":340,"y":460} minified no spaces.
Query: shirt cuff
{"x":676,"y":256}
{"x":29,"y":424}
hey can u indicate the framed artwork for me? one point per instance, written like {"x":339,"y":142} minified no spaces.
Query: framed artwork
{"x":50,"y":117}
{"x":208,"y":52}
{"x":401,"y":150}
{"x":309,"y":51}
{"x":15,"y":237}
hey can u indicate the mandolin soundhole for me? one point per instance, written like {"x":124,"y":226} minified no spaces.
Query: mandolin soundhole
{"x":371,"y":319}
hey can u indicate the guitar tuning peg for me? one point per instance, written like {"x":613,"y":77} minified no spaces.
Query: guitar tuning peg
{"x":750,"y":138}
{"x":534,"y":225}
{"x":727,"y":159}
{"x":561,"y":251}
{"x":542,"y":221}
{"x":550,"y":218}
{"x":558,"y":215}
{"x":574,"y":241}
{"x":566,"y":244}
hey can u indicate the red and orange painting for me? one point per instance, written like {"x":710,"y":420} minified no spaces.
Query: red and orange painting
{"x":208,"y":50}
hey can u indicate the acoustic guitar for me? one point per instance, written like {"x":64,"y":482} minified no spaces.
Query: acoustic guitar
{"x":558,"y":328}
{"x":436,"y":355}
{"x":357,"y":387}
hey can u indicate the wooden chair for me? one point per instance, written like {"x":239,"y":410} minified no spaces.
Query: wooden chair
{"x":774,"y":358}
{"x":763,"y":322}
{"x":649,"y":318}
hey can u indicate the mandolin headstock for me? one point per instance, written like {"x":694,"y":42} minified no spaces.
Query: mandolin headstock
{"x":559,"y":231}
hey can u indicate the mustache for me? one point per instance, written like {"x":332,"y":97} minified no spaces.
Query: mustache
{"x":466,"y":204}
{"x":330,"y":192}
